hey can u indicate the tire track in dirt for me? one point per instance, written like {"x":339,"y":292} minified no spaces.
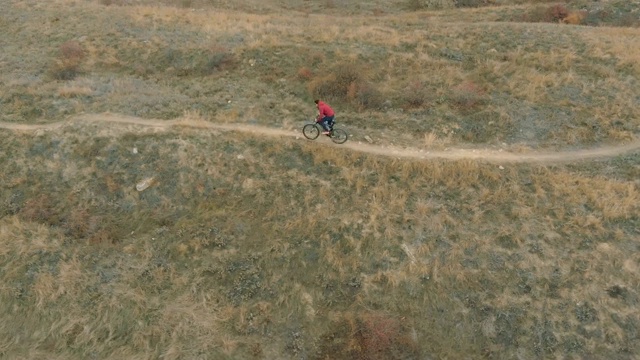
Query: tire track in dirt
{"x":496,"y":156}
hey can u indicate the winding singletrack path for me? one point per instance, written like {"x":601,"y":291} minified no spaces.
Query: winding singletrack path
{"x":496,"y":156}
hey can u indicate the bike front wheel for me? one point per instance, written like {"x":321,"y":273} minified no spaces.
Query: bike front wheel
{"x":339,"y":136}
{"x":311,"y":131}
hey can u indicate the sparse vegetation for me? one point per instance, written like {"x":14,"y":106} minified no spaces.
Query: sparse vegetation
{"x":241,"y":246}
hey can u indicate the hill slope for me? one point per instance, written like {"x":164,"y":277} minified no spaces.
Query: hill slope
{"x":155,"y":202}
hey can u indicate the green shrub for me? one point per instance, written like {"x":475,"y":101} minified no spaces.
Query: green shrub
{"x":611,"y":17}
{"x":472,"y":3}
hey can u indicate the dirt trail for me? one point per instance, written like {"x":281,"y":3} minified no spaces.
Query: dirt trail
{"x":497,"y":156}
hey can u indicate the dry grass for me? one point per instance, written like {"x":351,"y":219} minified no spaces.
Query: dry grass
{"x":426,"y":58}
{"x":74,"y":91}
{"x":247,"y":247}
{"x":261,"y":258}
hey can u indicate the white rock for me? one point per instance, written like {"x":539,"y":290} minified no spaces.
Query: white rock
{"x":144,"y":184}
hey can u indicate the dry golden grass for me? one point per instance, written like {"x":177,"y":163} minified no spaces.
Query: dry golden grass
{"x":192,"y":320}
{"x":618,"y":41}
{"x":253,"y":247}
{"x":438,"y":49}
{"x":69,"y":92}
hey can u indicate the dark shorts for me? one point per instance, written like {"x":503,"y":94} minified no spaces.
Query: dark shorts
{"x":327,"y":122}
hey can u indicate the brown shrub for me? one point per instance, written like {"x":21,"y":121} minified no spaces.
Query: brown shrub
{"x":467,"y":95}
{"x":352,"y":91}
{"x":368,"y":97}
{"x":72,"y":51}
{"x":575,"y":18}
{"x":376,"y":334}
{"x":219,"y":58}
{"x":67,"y":65}
{"x":554,"y":13}
{"x":557,"y":13}
{"x":77,"y":224}
{"x":348,"y":83}
{"x":103,"y":237}
{"x":40,"y":209}
{"x":415,"y":95}
{"x":368,"y":336}
{"x":346,"y":74}
{"x":323,"y":87}
{"x":304,"y":74}
{"x":377,"y":12}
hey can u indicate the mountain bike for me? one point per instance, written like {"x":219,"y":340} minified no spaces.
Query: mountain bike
{"x":313,"y":130}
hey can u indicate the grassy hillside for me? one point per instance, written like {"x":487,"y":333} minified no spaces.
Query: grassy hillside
{"x":252,"y":247}
{"x":246,"y":247}
{"x":469,"y":75}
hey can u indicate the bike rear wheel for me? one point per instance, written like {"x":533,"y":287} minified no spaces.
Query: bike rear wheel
{"x":311,"y":131}
{"x":339,"y":136}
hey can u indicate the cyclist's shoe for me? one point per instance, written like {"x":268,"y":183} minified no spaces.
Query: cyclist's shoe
{"x":326,"y":132}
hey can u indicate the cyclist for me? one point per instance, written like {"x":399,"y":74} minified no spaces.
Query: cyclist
{"x":325,"y":117}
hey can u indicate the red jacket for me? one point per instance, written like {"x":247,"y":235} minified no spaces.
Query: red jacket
{"x":324,"y":110}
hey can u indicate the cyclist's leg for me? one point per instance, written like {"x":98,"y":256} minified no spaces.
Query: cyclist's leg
{"x":332,"y":120}
{"x":325,"y":123}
